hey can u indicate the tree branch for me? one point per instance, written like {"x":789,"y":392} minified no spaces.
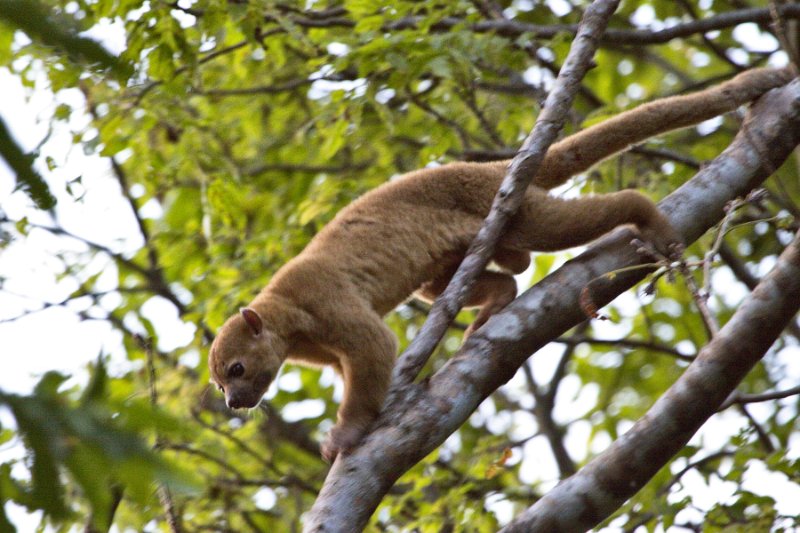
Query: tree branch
{"x":543,"y":411}
{"x":718,"y":50}
{"x":432,"y":409}
{"x":633,"y":344}
{"x":154,"y":273}
{"x":512,"y":190}
{"x":691,"y":466}
{"x":739,"y":269}
{"x":308,"y":169}
{"x":605,"y":483}
{"x":740,"y":398}
{"x":513,"y":28}
{"x":597,"y":490}
{"x":174,"y":519}
{"x":323,"y":516}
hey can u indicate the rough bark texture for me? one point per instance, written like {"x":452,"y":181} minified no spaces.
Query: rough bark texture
{"x":597,"y":490}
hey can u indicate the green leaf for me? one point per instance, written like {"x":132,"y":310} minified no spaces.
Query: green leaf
{"x":333,"y":139}
{"x":96,"y":389}
{"x":369,"y":24}
{"x":6,"y":494}
{"x":22,"y":226}
{"x":49,"y":384}
{"x":42,"y":24}
{"x":22,"y":164}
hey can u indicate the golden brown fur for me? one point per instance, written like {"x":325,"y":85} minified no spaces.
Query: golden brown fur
{"x":326,"y":305}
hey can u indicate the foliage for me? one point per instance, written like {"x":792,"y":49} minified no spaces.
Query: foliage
{"x":236,"y":130}
{"x":83,"y":450}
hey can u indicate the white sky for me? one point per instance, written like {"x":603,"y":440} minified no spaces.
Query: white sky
{"x":54,"y":338}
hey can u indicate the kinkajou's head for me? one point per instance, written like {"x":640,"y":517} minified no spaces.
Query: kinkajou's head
{"x":245,"y":358}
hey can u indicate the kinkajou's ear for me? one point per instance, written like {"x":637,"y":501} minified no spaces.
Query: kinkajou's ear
{"x":252,"y":319}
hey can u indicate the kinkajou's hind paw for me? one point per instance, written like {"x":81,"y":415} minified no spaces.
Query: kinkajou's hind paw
{"x":675,"y":252}
{"x":671,"y":253}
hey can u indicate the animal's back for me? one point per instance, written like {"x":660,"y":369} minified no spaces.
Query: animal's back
{"x":406,"y":232}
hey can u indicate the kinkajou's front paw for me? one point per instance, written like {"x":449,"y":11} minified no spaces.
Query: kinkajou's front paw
{"x":342,"y":439}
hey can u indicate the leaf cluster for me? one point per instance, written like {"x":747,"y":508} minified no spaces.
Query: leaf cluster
{"x":84,"y":449}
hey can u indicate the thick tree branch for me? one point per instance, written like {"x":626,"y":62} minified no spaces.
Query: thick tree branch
{"x":431,"y":410}
{"x":590,"y":496}
{"x":523,"y":167}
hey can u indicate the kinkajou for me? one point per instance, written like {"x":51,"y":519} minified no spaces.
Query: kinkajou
{"x":325,"y":306}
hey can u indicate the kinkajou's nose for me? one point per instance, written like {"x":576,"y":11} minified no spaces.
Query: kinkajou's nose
{"x":235,"y":401}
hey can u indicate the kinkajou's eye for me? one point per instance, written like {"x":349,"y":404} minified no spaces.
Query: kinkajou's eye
{"x":221,"y":389}
{"x":236,"y":370}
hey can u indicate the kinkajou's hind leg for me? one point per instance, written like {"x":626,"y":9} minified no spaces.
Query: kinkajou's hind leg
{"x":515,"y":261}
{"x":491,"y":292}
{"x":547,"y":223}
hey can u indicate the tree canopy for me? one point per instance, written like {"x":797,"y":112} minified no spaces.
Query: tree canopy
{"x":233,"y":131}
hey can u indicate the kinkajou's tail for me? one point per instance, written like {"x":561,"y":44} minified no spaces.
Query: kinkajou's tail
{"x":580,"y":151}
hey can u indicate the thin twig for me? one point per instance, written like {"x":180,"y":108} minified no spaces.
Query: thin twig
{"x":780,"y":32}
{"x":725,"y":227}
{"x":469,"y":100}
{"x":690,"y":466}
{"x":627,"y":343}
{"x":740,"y":398}
{"x":465,"y":136}
{"x":164,"y":494}
{"x":229,"y":436}
{"x":700,"y":299}
{"x":139,"y":96}
{"x":763,"y":437}
{"x":739,"y":269}
{"x":514,"y":28}
{"x":306,"y":168}
{"x":717,"y":49}
{"x":45,"y":305}
{"x":669,"y":155}
{"x":545,"y":402}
